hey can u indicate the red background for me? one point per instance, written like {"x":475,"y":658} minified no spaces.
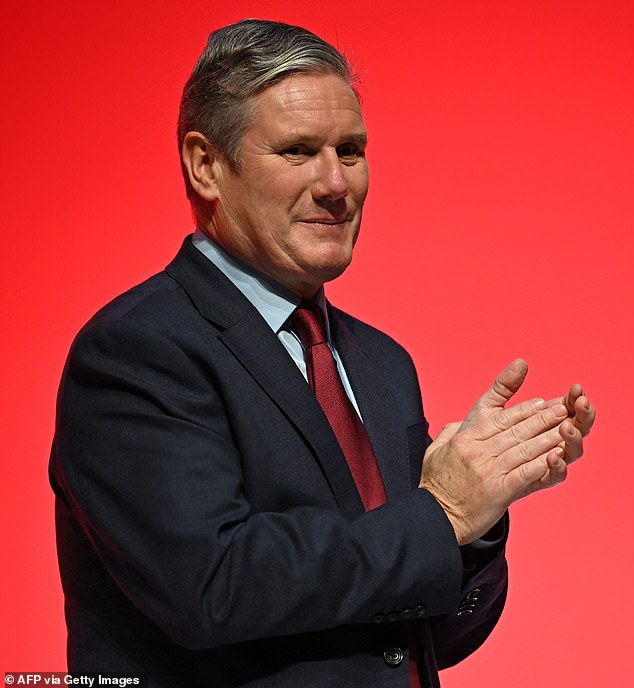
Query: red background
{"x":499,"y":224}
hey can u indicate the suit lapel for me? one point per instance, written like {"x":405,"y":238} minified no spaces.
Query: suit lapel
{"x":378,"y":409}
{"x":259,"y":350}
{"x":247,"y":335}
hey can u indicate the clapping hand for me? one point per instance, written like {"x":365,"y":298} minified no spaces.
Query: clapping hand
{"x":497,"y":455}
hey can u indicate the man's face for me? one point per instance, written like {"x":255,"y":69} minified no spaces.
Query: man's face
{"x":293,"y":210}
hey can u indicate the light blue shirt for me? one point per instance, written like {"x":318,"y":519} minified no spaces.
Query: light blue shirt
{"x":274,"y":303}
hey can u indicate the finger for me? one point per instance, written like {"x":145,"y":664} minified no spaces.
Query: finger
{"x":556,"y":472}
{"x":557,"y":469}
{"x":573,"y":441}
{"x":531,"y":449}
{"x":569,"y":400}
{"x":583,"y":415}
{"x":505,"y":386}
{"x":543,"y":471}
{"x":518,"y":423}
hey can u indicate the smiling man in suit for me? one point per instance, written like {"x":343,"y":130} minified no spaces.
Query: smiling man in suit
{"x":238,"y":465}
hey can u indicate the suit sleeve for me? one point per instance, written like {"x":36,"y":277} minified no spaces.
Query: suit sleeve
{"x":459,"y":633}
{"x":145,"y":459}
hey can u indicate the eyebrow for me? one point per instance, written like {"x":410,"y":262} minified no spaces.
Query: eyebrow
{"x":359,"y":139}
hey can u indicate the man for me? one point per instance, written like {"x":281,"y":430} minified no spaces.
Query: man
{"x":237,"y":463}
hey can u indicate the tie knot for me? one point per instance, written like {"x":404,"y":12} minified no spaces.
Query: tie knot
{"x":308,"y":321}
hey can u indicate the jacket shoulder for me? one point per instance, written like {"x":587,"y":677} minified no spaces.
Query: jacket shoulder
{"x":158,"y":299}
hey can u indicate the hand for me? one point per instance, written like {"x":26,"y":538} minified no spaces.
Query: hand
{"x":477,"y":468}
{"x":580,"y":411}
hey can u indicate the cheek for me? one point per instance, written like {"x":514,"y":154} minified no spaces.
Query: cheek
{"x":358,"y":183}
{"x":278,"y":203}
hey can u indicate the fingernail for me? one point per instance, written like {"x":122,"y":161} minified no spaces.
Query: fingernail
{"x":539,"y":404}
{"x":560,"y":410}
{"x":587,"y":405}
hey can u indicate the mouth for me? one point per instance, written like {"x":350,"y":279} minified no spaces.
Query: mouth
{"x":331,"y":221}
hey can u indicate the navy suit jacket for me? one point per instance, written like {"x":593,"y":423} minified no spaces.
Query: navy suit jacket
{"x":209,"y":531}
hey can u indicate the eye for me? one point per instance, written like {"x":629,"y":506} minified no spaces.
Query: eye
{"x":296,"y":153}
{"x":349,"y":153}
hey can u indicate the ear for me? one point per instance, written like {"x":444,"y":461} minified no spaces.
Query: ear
{"x":203,"y":165}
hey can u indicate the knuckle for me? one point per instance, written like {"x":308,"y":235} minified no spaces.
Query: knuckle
{"x":524,"y":451}
{"x":516,"y":434}
{"x":525,"y":473}
{"x":546,"y":420}
{"x":510,"y":417}
{"x":500,"y":421}
{"x":500,"y":388}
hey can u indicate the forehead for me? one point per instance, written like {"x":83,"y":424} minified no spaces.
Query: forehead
{"x":304,"y":102}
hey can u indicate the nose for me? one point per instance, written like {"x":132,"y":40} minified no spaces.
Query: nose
{"x":330,"y":181}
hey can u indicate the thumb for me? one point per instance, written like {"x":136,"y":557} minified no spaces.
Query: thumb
{"x":444,"y":436}
{"x":505,"y":386}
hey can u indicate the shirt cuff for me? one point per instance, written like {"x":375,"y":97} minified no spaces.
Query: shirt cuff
{"x":477,"y":554}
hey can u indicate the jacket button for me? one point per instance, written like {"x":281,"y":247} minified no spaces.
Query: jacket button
{"x":393,"y":656}
{"x":378,"y":618}
{"x":473,"y":595}
{"x":419,"y":611}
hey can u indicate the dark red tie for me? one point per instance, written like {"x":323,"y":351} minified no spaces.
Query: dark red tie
{"x":323,"y":377}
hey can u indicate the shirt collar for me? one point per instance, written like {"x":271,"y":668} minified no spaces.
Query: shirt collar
{"x":274,"y":303}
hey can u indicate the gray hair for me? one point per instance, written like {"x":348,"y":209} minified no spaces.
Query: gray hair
{"x":239,"y":62}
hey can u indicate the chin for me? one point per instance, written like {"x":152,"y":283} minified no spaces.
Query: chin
{"x":315,"y":268}
{"x":330,"y":260}
{"x":327,"y":273}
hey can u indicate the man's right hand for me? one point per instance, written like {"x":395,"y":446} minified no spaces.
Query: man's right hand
{"x":477,"y":468}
